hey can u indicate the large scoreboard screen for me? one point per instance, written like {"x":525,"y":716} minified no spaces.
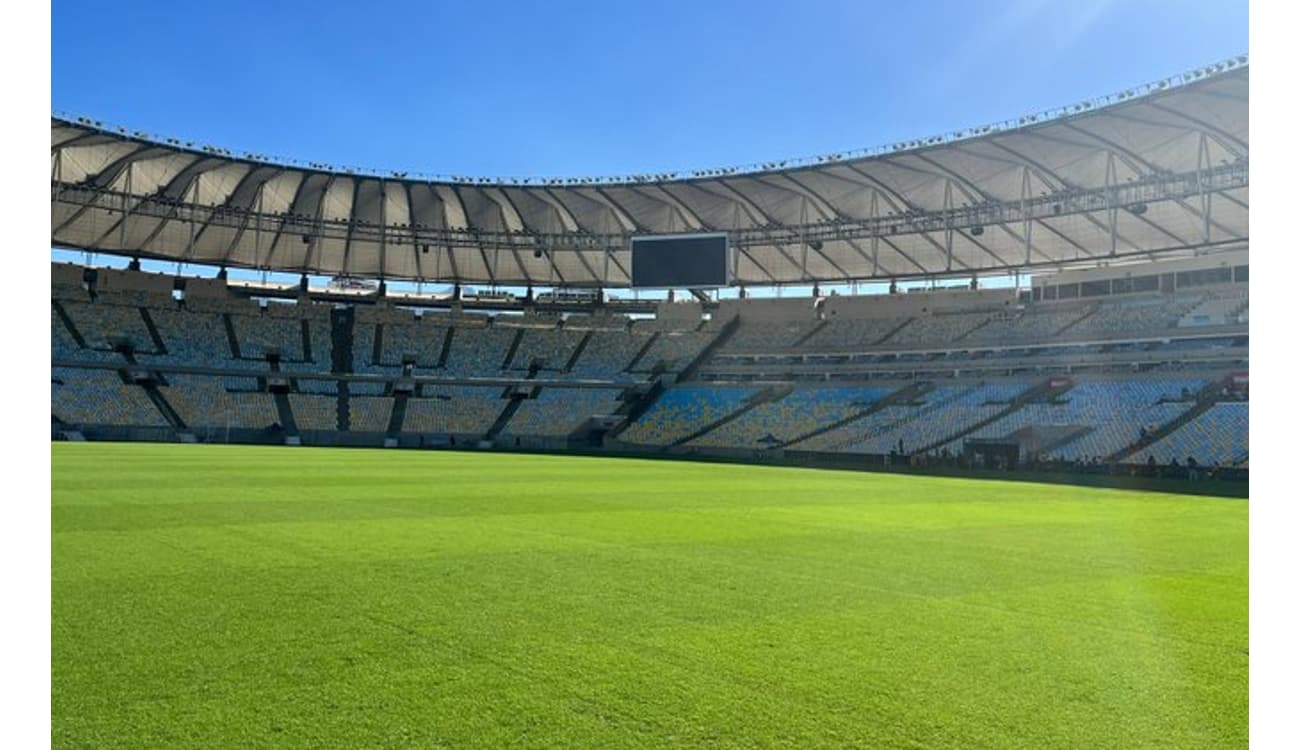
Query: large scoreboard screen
{"x":681,"y":261}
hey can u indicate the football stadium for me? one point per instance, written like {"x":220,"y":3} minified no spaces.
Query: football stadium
{"x":942,"y":443}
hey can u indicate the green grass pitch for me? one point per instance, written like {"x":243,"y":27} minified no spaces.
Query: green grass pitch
{"x":242,"y":597}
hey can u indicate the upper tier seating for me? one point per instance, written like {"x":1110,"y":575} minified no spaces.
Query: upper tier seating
{"x":418,"y":341}
{"x":197,"y":339}
{"x":934,"y":331}
{"x":101,"y":324}
{"x":1219,"y":307}
{"x":848,"y":335}
{"x":766,"y":336}
{"x":261,"y":335}
{"x":64,"y":346}
{"x":1143,"y":316}
{"x":608,"y":355}
{"x":1031,"y":325}
{"x":479,"y":351}
{"x":551,"y":348}
{"x":674,"y":350}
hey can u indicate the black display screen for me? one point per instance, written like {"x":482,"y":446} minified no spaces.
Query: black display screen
{"x":680,"y":261}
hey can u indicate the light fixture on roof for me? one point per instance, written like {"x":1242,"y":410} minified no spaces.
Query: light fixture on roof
{"x":977,"y":230}
{"x":1137,"y":209}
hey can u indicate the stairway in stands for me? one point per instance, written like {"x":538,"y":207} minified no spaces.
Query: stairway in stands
{"x":635,"y":401}
{"x":514,"y":347}
{"x":1206,"y":398}
{"x":902,"y":396}
{"x":151,"y":389}
{"x":284,"y":412}
{"x":893,"y":332}
{"x":650,"y":341}
{"x":1042,"y":391}
{"x":231,"y":338}
{"x":811,"y":332}
{"x":68,"y":324}
{"x":765,"y":396}
{"x":342,"y":325}
{"x":516,"y":395}
{"x":398,"y":416}
{"x":577,"y":351}
{"x":724,"y":335}
{"x":1091,"y":312}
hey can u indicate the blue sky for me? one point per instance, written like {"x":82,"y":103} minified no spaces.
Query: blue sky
{"x":571,"y":88}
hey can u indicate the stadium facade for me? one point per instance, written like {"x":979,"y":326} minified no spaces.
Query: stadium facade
{"x":1130,"y":346}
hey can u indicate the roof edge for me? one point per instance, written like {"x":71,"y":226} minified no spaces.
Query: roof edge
{"x":1086,"y":106}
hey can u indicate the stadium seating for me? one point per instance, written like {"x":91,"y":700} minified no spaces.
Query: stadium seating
{"x":799,"y":412}
{"x":850,"y":334}
{"x":1219,"y":307}
{"x":259,"y":335}
{"x":99,"y":397}
{"x":1115,"y":413}
{"x":767,"y":336}
{"x":550,"y":348}
{"x":64,"y":346}
{"x":1101,"y":415}
{"x":1138,"y":317}
{"x":319,"y":387}
{"x":683,"y":410}
{"x":674,"y":350}
{"x":1220,"y":436}
{"x":314,"y":412}
{"x":454,"y":410}
{"x":101,"y":324}
{"x":203,"y":402}
{"x":1025,"y":326}
{"x":479,"y":351}
{"x":192,"y":338}
{"x":930,"y":331}
{"x":557,"y":412}
{"x":939,"y":413}
{"x":369,"y":413}
{"x":420,"y":341}
{"x":608,"y":355}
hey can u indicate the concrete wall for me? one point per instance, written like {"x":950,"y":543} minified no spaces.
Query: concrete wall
{"x":917,"y":303}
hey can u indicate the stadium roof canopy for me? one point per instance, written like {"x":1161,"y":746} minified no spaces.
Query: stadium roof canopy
{"x":1159,"y":170}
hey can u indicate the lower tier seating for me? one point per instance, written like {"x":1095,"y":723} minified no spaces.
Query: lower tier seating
{"x":1219,"y":436}
{"x":99,"y":397}
{"x":683,"y":410}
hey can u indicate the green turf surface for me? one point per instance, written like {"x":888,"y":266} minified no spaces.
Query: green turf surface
{"x":221,"y":596}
